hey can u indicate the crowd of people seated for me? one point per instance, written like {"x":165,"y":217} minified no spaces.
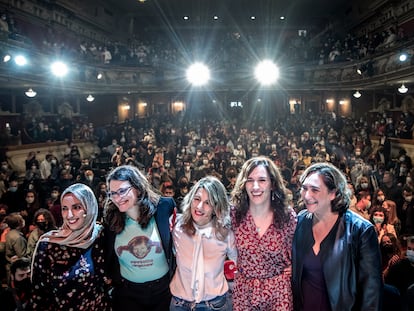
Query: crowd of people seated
{"x":157,"y":49}
{"x":174,"y":155}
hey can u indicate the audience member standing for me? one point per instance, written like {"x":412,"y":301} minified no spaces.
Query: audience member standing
{"x":392,"y":191}
{"x":44,"y":222}
{"x":17,"y":294}
{"x":13,"y":197}
{"x":401,"y":275}
{"x":406,"y":212}
{"x":46,"y":167}
{"x":16,"y":243}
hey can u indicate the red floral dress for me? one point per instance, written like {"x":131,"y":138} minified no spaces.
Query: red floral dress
{"x":261,"y":283}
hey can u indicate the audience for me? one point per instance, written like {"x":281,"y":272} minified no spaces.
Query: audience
{"x":174,"y":154}
{"x":401,"y":274}
{"x":17,"y":293}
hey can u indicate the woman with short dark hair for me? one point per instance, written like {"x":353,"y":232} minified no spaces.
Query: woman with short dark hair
{"x":336,"y":258}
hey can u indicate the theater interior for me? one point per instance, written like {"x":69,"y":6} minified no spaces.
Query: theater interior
{"x":348,"y":58}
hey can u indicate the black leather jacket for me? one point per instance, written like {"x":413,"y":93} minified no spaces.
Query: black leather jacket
{"x":351,"y":263}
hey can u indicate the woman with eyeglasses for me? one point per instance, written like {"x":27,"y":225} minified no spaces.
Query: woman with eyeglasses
{"x":68,"y":270}
{"x":140,"y":261}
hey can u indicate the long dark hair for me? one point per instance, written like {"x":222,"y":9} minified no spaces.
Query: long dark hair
{"x":147,"y":202}
{"x":240,"y":198}
{"x":50,"y":220}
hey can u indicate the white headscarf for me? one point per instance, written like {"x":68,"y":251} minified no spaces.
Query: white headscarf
{"x":84,"y":236}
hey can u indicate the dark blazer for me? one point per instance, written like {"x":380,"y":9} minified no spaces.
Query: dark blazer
{"x":351,"y":262}
{"x":165,"y":209}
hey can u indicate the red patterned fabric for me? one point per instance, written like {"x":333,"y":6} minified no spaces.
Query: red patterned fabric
{"x":264,"y":265}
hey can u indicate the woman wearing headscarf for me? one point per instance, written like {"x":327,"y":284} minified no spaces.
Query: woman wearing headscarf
{"x":68,"y":263}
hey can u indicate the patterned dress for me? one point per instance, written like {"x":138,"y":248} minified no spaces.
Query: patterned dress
{"x":260,"y":283}
{"x":69,"y":278}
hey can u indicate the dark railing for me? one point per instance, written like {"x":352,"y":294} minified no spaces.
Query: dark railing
{"x":385,"y":70}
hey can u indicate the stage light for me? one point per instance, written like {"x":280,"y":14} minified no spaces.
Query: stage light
{"x":6,"y":58}
{"x":267,"y":72}
{"x":20,"y":60}
{"x":59,"y":69}
{"x":198,"y":74}
{"x":403,"y":57}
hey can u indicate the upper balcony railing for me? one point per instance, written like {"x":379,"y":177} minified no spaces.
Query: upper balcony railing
{"x":380,"y":71}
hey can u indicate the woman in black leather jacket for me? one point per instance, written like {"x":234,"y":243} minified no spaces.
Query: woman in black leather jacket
{"x":336,"y":260}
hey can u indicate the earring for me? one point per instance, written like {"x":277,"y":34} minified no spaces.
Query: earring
{"x":273,"y":196}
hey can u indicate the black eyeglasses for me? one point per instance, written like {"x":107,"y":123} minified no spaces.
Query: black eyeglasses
{"x":119,"y":193}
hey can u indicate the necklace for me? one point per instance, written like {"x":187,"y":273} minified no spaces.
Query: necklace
{"x":263,"y":220}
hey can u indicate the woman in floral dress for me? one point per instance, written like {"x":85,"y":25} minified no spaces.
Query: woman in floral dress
{"x":68,"y":264}
{"x":264,"y":226}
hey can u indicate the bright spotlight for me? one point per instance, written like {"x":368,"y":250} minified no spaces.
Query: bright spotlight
{"x":266,"y":72}
{"x":6,"y":58}
{"x":198,"y":74}
{"x":403,"y":57}
{"x":59,"y":69}
{"x":20,"y":60}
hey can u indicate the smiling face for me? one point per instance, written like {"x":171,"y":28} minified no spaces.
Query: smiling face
{"x":316,"y":195}
{"x":259,"y":186}
{"x":123,"y":195}
{"x":201,"y":210}
{"x":73,"y":212}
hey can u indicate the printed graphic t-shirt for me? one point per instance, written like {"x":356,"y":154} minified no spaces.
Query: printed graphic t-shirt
{"x":140,"y":252}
